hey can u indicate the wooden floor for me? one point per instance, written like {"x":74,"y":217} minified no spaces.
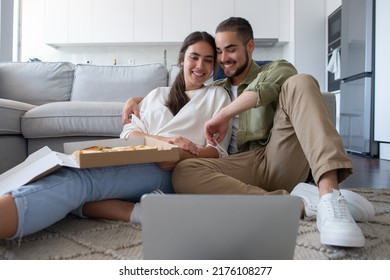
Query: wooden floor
{"x":368,"y":173}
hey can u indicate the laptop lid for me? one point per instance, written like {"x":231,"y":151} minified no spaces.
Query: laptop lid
{"x":206,"y":227}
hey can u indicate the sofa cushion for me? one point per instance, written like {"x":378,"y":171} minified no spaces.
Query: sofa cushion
{"x":36,"y":83}
{"x":116,"y":83}
{"x":77,"y":118}
{"x":10,"y":113}
{"x":173,"y":72}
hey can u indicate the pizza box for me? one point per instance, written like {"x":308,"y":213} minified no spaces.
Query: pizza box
{"x":45,"y":161}
{"x":163,"y":152}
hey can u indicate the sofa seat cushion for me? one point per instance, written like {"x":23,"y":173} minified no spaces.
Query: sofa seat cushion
{"x":116,"y":83}
{"x":10,"y":113}
{"x":36,"y":82}
{"x":80,"y":118}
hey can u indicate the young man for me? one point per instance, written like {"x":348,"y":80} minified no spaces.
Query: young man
{"x":282,"y":130}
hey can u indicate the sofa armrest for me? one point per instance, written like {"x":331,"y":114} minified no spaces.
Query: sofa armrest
{"x":10,"y":113}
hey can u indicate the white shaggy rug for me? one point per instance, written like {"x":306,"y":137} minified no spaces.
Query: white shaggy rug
{"x":76,"y":239}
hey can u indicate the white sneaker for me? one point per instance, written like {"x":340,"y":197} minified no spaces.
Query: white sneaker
{"x":335,"y":222}
{"x":310,"y":197}
{"x":361,"y":209}
{"x":135,"y":216}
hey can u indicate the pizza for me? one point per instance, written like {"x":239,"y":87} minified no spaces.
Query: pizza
{"x":102,"y":149}
{"x":132,"y":148}
{"x":94,"y":149}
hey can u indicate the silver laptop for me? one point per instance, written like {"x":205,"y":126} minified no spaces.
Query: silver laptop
{"x":207,"y":227}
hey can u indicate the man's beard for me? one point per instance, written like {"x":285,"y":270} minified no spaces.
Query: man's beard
{"x":240,"y":69}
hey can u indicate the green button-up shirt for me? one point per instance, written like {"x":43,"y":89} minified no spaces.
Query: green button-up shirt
{"x":255,"y":124}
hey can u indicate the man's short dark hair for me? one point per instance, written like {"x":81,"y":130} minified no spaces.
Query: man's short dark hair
{"x":239,"y":25}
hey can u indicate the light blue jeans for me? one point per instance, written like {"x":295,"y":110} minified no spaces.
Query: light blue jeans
{"x":48,"y":200}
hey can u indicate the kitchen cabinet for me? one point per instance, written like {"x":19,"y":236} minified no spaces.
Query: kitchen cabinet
{"x":88,"y":21}
{"x":206,"y":14}
{"x":56,"y":21}
{"x":112,"y":21}
{"x":80,"y":21}
{"x":176,"y":20}
{"x":67,"y":21}
{"x":266,"y":24}
{"x":262,"y":14}
{"x":161,"y":21}
{"x":382,"y":90}
{"x":148,"y":20}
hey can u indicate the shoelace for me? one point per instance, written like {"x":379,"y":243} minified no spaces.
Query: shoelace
{"x":337,"y":208}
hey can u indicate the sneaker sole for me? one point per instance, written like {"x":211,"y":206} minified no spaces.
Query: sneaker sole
{"x":346,"y":241}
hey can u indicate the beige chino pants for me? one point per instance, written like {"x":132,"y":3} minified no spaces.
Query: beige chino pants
{"x":303,"y":138}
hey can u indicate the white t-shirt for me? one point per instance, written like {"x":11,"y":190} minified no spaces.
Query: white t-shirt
{"x":157,"y":119}
{"x":236,"y":120}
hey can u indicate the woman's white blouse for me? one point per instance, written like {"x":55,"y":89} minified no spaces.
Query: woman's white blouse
{"x":157,"y":119}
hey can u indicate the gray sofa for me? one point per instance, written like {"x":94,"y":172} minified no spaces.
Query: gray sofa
{"x":50,"y":103}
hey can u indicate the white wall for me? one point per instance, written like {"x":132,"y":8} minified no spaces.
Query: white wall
{"x":6,"y":29}
{"x":310,"y":48}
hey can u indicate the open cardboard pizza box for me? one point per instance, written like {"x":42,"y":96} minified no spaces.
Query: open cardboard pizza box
{"x":45,"y":161}
{"x":161,"y":151}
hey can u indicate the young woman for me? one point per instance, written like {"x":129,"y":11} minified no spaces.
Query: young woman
{"x":174,"y":114}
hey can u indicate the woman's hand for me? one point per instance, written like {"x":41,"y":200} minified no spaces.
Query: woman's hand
{"x":184,"y":144}
{"x":131,"y":107}
{"x":187,"y":150}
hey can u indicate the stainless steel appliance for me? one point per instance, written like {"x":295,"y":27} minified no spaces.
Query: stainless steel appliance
{"x":356,"y":88}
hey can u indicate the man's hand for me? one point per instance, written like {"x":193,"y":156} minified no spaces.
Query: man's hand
{"x":131,"y":107}
{"x":215,"y":129}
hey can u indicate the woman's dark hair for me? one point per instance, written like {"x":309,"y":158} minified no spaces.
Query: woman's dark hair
{"x":239,"y":25}
{"x":177,"y":97}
